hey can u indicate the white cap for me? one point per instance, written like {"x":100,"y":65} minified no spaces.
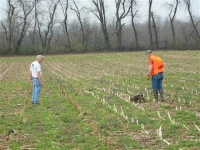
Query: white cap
{"x":40,"y":56}
{"x":149,"y":51}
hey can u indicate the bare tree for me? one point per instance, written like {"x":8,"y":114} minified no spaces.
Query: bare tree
{"x":133,"y":14}
{"x":188,"y":3}
{"x":8,"y":28}
{"x":78,"y":14}
{"x":65,"y":12}
{"x":46,"y":39}
{"x":101,"y":15}
{"x":27,"y":9}
{"x":149,"y":22}
{"x":155,"y":31}
{"x":172,"y":14}
{"x":119,"y":16}
{"x":35,"y":25}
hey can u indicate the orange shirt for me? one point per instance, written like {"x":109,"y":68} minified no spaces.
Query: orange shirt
{"x":156,"y":63}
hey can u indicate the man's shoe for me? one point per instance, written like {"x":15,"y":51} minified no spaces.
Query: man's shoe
{"x":162,"y":100}
{"x":35,"y":103}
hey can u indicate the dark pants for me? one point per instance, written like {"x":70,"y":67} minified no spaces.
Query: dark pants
{"x":157,"y":82}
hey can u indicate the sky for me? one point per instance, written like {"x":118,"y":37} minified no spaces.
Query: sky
{"x":158,"y":7}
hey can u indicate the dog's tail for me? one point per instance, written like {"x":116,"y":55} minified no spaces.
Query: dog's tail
{"x":141,"y":93}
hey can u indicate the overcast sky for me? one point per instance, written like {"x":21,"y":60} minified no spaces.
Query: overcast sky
{"x":158,"y":7}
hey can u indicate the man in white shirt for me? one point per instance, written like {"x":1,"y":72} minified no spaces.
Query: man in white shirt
{"x":36,"y":78}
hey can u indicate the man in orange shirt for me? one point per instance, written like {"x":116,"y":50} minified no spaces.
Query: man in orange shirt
{"x":155,"y":72}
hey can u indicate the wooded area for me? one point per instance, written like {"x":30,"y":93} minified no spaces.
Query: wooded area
{"x":47,"y":27}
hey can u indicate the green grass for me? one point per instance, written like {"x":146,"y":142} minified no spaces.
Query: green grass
{"x":84,"y":103}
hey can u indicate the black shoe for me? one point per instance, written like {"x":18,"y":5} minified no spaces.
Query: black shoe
{"x":35,"y":103}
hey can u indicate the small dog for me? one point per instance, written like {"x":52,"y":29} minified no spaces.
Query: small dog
{"x":137,"y":98}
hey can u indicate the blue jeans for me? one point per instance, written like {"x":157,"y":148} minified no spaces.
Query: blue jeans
{"x":36,"y":90}
{"x":157,"y":81}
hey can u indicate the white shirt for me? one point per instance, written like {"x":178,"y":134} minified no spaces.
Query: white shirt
{"x":34,"y":68}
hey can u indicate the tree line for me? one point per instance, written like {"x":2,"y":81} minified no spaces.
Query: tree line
{"x":64,"y":26}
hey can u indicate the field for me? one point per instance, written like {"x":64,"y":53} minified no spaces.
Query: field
{"x":84,"y":103}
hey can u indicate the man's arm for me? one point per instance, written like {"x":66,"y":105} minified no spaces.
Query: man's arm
{"x":31,"y":78}
{"x":150,"y":69}
{"x":39,"y":77}
{"x":30,"y":75}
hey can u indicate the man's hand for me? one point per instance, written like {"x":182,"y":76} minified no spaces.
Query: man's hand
{"x":41,"y":84}
{"x":148,"y":77}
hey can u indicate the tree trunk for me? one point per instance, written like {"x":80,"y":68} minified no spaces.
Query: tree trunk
{"x":155,"y":30}
{"x":46,"y":40}
{"x":119,"y":18}
{"x":191,"y":18}
{"x":25,"y":25}
{"x":101,"y":15}
{"x":172,"y":19}
{"x":133,"y":24}
{"x":65,"y":24}
{"x":79,"y":19}
{"x":149,"y":20}
{"x":34,"y":28}
{"x":173,"y":33}
{"x":119,"y":36}
{"x":8,"y":28}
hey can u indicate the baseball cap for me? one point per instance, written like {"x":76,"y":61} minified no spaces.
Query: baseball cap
{"x":40,"y":56}
{"x":149,"y":51}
